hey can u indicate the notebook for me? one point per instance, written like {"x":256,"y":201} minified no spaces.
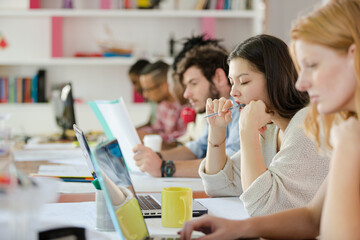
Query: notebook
{"x":111,"y":161}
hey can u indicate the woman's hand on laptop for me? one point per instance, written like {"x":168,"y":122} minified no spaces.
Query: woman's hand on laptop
{"x":214,"y":228}
{"x":147,"y":160}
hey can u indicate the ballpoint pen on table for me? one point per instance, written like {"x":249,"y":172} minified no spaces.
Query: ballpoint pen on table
{"x":231,"y":108}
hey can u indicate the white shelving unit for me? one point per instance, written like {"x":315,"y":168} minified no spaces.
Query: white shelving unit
{"x":29,"y":35}
{"x":115,"y":61}
{"x":131,"y":13}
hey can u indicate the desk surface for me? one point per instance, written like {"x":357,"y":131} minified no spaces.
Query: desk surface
{"x":149,"y":185}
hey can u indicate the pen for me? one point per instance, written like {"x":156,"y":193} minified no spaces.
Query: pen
{"x":231,"y":108}
{"x":76,"y":177}
{"x":75,"y":180}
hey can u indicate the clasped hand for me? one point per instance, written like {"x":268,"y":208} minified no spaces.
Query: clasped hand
{"x":254,"y":117}
{"x":147,"y":160}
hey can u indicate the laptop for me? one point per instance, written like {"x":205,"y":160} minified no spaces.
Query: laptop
{"x":111,"y":161}
{"x":127,"y":217}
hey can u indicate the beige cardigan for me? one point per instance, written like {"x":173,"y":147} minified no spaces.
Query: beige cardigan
{"x":293,"y":174}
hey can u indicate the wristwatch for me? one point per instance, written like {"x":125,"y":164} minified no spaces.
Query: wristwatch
{"x":169,"y":169}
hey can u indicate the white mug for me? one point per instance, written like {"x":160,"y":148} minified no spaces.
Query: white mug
{"x":153,"y":141}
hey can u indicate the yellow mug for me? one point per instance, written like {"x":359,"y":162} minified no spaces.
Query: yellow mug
{"x":176,"y":206}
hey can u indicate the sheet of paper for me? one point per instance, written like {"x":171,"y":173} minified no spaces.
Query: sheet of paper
{"x":119,"y":122}
{"x":73,"y":214}
{"x":70,"y":161}
{"x":76,"y":187}
{"x":49,"y":146}
{"x":45,"y":155}
{"x":64,"y":170}
{"x":226,"y":207}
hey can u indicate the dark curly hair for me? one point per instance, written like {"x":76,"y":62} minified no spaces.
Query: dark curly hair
{"x":192,"y":42}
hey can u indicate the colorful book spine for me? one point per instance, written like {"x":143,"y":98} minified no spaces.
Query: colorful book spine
{"x":1,"y":89}
{"x":27,"y":90}
{"x":19,"y":91}
{"x":227,"y":4}
{"x":12,"y":93}
{"x":41,"y":86}
{"x":34,"y":89}
{"x":6,"y":89}
{"x":220,"y":4}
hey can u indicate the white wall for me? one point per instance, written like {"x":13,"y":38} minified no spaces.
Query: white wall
{"x":34,"y":119}
{"x":282,"y":13}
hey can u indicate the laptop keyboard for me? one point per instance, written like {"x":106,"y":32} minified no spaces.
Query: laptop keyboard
{"x":148,"y":203}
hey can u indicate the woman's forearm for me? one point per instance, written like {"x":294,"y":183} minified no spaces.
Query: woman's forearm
{"x":341,"y":213}
{"x":252,"y":163}
{"x":291,"y":224}
{"x":216,"y":150}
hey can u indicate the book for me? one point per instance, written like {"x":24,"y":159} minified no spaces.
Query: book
{"x":34,"y":89}
{"x":19,"y":90}
{"x":41,"y":87}
{"x":220,"y":4}
{"x":27,"y":90}
{"x":12,"y":90}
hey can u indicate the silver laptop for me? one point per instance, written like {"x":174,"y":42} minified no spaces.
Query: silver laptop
{"x":111,"y":161}
{"x":126,"y":216}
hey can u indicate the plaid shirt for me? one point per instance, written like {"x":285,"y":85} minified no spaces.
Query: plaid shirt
{"x":168,"y":124}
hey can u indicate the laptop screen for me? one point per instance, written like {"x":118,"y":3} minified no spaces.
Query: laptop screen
{"x":85,"y":148}
{"x":118,"y":192}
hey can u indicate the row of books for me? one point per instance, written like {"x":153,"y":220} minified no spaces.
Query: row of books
{"x":224,"y":4}
{"x":23,"y":89}
{"x":155,"y":4}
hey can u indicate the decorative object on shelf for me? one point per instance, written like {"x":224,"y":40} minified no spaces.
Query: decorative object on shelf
{"x":67,"y":4}
{"x":3,"y":42}
{"x":144,"y":4}
{"x":114,"y":48}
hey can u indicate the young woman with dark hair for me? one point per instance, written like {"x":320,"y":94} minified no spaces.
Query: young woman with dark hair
{"x":280,"y":168}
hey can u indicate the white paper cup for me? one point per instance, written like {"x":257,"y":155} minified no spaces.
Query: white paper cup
{"x":153,"y":141}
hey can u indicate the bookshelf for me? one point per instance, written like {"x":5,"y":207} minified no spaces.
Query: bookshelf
{"x":75,"y":61}
{"x":130,"y":13}
{"x":48,"y":39}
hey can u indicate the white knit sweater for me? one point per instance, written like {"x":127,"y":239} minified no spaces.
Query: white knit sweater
{"x":293,"y":174}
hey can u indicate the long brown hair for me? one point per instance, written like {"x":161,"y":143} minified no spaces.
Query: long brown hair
{"x":335,"y":26}
{"x":270,"y":56}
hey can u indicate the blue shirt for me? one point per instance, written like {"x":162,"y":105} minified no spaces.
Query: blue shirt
{"x":199,"y":146}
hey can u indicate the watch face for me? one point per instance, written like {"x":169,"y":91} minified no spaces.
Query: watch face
{"x":169,"y":169}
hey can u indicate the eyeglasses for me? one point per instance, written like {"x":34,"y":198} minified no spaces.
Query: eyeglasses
{"x":151,"y":88}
